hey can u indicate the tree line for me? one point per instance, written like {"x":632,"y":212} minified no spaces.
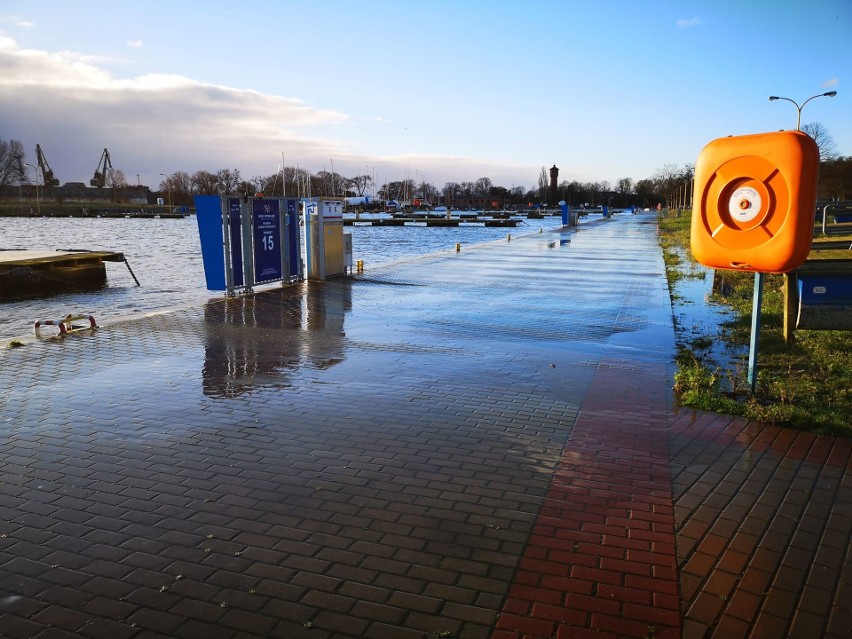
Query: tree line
{"x":299,"y":182}
{"x":669,"y":186}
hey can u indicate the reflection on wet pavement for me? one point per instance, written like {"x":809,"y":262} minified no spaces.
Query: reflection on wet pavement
{"x":264,"y":340}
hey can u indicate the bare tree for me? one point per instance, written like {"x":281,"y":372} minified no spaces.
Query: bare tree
{"x":271,"y":184}
{"x":181,"y":185}
{"x":116,"y":179}
{"x":669,"y":179}
{"x":543,"y":184}
{"x":824,"y":141}
{"x":228,"y":180}
{"x":624,"y":186}
{"x":205,"y":183}
{"x":428,"y":192}
{"x":360,"y":184}
{"x":12,"y":163}
{"x":483,"y":185}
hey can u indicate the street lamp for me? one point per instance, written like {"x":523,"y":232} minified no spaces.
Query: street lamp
{"x":829,"y":94}
{"x":757,"y":299}
{"x":169,"y":182}
{"x":35,"y":170}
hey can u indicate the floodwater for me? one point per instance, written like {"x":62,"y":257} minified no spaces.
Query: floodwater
{"x":700,"y":320}
{"x":165,"y":256}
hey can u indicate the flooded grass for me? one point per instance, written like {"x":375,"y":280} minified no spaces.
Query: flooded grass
{"x":805,"y":385}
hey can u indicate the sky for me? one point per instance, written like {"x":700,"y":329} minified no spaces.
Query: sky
{"x":435,"y":90}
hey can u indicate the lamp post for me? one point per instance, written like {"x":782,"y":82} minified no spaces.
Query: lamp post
{"x":757,"y":298}
{"x":828,"y":94}
{"x":38,"y":202}
{"x":169,"y":182}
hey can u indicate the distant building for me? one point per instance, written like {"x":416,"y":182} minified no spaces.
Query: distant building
{"x":79,"y":192}
{"x":553,"y":192}
{"x":476,"y":201}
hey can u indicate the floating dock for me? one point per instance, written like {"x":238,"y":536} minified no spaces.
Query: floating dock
{"x":27,"y":273}
{"x":432,"y":221}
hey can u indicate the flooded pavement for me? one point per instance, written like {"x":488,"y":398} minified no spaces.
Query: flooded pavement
{"x":471,"y":444}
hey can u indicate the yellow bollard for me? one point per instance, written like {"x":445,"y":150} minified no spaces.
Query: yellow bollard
{"x":458,"y":247}
{"x":359,"y":266}
{"x":509,"y":237}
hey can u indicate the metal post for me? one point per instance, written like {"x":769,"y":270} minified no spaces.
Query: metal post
{"x":247,"y":223}
{"x":755,"y":331}
{"x":225,"y":204}
{"x":791,"y":305}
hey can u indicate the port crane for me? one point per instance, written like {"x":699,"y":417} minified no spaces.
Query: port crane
{"x":46,"y":173}
{"x":104,"y":165}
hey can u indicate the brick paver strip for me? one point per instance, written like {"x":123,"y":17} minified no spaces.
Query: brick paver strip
{"x":602,"y":553}
{"x":467,"y":445}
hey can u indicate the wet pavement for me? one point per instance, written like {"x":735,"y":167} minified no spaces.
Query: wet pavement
{"x":478,"y":444}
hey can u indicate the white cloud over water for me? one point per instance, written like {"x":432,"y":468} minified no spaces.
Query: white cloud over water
{"x":72,"y":106}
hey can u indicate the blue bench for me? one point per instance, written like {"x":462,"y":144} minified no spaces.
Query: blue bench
{"x":825,"y":300}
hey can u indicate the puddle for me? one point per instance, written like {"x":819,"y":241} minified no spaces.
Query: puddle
{"x":699,"y":320}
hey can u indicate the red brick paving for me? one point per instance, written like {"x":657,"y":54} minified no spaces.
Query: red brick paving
{"x":602,"y":553}
{"x":759,"y":511}
{"x":764,"y":521}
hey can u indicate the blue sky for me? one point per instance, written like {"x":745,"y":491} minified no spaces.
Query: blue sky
{"x":431,"y":90}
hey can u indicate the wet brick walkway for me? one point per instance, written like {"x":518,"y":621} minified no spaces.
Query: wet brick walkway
{"x":469,"y":445}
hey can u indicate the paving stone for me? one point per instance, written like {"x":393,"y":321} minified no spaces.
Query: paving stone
{"x":483,"y":444}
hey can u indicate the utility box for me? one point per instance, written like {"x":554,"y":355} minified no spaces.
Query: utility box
{"x":324,"y":238}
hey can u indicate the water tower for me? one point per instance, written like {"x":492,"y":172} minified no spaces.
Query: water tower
{"x":552,"y":193}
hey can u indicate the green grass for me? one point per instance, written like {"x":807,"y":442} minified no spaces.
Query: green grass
{"x":806,"y":384}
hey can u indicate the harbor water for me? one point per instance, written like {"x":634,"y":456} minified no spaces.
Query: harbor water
{"x":165,"y":256}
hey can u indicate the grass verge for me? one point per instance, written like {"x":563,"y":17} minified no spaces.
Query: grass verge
{"x":805,"y":385}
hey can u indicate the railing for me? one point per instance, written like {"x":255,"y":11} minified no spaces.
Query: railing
{"x":65,"y":325}
{"x":835,"y":208}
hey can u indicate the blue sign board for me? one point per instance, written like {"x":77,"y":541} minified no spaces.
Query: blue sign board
{"x":267,"y":240}
{"x":208,"y":209}
{"x":293,"y":235}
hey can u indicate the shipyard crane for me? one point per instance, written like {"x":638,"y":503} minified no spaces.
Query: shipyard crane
{"x":47,"y":175}
{"x":100,"y":177}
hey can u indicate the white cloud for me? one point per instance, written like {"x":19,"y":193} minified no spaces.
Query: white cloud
{"x":73,"y":107}
{"x":15,"y":21}
{"x":685,"y":23}
{"x":833,"y":82}
{"x":138,"y":44}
